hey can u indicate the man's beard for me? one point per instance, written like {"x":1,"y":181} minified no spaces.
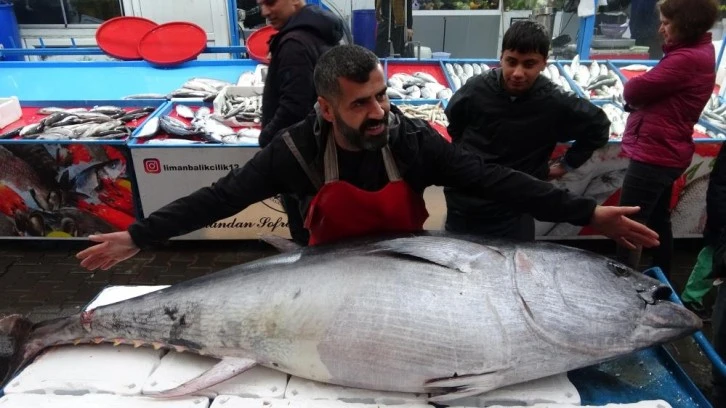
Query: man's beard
{"x":358,"y":138}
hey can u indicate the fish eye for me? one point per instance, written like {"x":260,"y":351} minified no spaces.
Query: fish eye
{"x":618,"y":268}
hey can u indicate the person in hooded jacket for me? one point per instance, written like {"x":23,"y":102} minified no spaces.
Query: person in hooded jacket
{"x":664,"y":104}
{"x":514,"y":117}
{"x":305,"y":32}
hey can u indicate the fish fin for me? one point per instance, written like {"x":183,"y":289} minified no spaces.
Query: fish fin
{"x":453,"y":253}
{"x":280,"y":243}
{"x":465,"y":385}
{"x":222,"y":371}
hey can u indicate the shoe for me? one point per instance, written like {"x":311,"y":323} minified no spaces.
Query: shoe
{"x":699,"y":310}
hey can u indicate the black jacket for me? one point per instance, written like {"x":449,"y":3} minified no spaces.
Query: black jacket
{"x":289,"y":93}
{"x":520,"y":133}
{"x":423,"y":157}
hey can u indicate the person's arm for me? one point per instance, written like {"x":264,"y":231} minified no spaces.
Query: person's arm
{"x":587,"y":125}
{"x":457,"y":111}
{"x":449,"y":165}
{"x":297,"y":89}
{"x":260,"y":178}
{"x":668,"y":77}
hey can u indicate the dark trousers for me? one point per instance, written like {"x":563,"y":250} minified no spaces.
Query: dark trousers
{"x":295,"y":220}
{"x":719,"y":343}
{"x":397,"y":38}
{"x":519,"y":227}
{"x":650,"y":187}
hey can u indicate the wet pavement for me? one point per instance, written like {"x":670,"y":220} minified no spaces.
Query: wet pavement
{"x":43,"y":279}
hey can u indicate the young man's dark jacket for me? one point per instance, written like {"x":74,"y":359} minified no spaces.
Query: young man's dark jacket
{"x":423,"y":157}
{"x":520,"y":133}
{"x":289,"y":93}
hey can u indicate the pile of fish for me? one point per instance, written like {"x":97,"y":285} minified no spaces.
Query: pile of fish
{"x":431,"y":113}
{"x":459,"y":73}
{"x":420,"y":85}
{"x":243,"y":109}
{"x":97,"y":123}
{"x":200,"y":126}
{"x":618,"y":118}
{"x":553,"y":74}
{"x":714,"y":113}
{"x":198,"y":87}
{"x":441,"y":314}
{"x":595,"y":81}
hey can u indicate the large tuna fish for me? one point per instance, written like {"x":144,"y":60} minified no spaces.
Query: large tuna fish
{"x":437,"y":314}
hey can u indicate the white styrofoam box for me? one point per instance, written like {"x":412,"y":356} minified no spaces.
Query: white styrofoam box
{"x":113,"y":294}
{"x":244,"y":91}
{"x":177,"y":368}
{"x":97,"y":401}
{"x":9,"y":111}
{"x":233,"y":401}
{"x":302,"y":389}
{"x":554,"y":389}
{"x":86,"y":369}
{"x":226,"y":401}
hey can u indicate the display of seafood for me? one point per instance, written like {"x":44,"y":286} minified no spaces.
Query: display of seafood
{"x":198,"y":87}
{"x":595,"y":81}
{"x":460,"y":73}
{"x":431,"y":113}
{"x":714,"y":113}
{"x":618,"y":118}
{"x":97,"y":123}
{"x":420,"y":85}
{"x":554,"y":75}
{"x":433,"y":313}
{"x":197,"y":125}
{"x":64,"y":190}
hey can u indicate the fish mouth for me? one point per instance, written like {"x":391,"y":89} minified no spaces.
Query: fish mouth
{"x":664,"y":314}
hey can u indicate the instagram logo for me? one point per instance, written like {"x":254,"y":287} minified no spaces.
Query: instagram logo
{"x":152,"y":166}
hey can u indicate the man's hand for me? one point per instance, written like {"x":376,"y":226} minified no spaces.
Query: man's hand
{"x":613,"y":223}
{"x":112,"y":249}
{"x":409,"y":34}
{"x":557,"y":170}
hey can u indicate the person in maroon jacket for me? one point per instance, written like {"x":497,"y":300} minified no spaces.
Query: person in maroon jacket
{"x":664,"y":104}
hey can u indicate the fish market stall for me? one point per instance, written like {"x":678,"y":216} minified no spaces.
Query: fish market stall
{"x":189,"y":146}
{"x":66,"y":170}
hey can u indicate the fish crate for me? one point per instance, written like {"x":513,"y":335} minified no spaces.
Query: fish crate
{"x":628,"y":69}
{"x":71,"y":188}
{"x":456,"y":84}
{"x":610,"y":89}
{"x":413,"y":66}
{"x":438,"y":125}
{"x":110,"y":80}
{"x":554,"y":70}
{"x":166,"y":171}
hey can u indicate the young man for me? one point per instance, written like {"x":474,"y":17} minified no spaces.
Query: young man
{"x":514,"y":117}
{"x":363,"y":166}
{"x":305,"y":33}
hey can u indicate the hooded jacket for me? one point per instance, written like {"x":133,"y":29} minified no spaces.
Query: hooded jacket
{"x":519,"y":132}
{"x":289,"y":93}
{"x":666,"y":102}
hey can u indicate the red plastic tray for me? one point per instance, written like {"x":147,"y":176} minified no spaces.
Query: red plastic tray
{"x":119,"y":37}
{"x":258,"y":44}
{"x":31,"y":115}
{"x":173,"y":43}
